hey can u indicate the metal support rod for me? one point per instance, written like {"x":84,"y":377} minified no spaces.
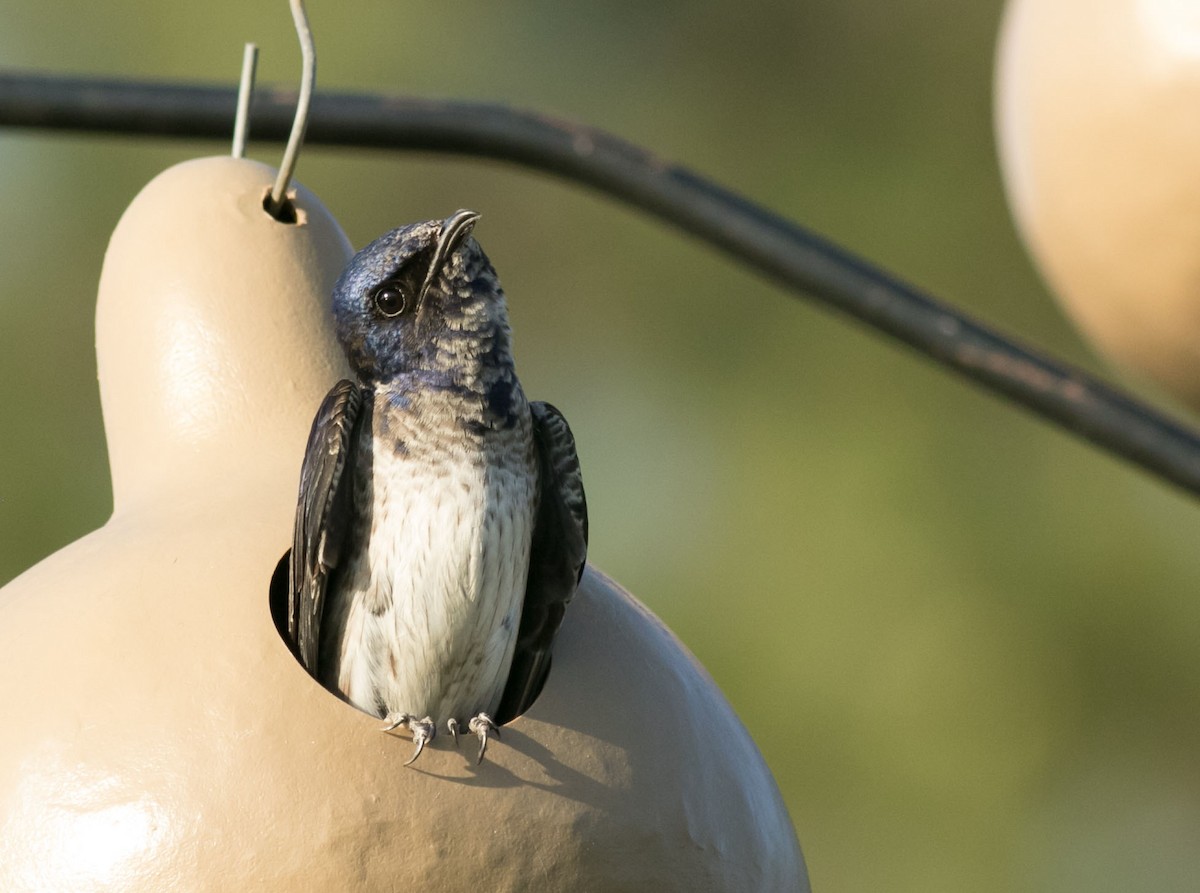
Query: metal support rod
{"x":794,"y":257}
{"x":241,"y":121}
{"x":308,"y":80}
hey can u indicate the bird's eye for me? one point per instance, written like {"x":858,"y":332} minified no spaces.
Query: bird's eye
{"x":391,"y":300}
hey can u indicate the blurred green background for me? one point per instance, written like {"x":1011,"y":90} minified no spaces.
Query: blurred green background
{"x":964,"y":641}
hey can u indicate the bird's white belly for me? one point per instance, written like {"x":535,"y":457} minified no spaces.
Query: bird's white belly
{"x":433,"y":595}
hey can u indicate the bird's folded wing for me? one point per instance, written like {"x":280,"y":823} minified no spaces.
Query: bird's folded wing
{"x":556,"y":559}
{"x":322,"y":516}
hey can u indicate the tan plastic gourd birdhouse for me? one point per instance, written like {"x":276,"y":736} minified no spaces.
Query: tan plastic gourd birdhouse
{"x":158,"y":734}
{"x":1098,"y":120}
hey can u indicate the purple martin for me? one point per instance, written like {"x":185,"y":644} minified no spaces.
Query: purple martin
{"x":441,"y":527}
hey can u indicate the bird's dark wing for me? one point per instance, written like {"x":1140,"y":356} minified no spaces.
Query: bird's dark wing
{"x":322,"y":516}
{"x":556,"y":558}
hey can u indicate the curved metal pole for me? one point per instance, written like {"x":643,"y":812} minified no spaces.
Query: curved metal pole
{"x":796,"y":258}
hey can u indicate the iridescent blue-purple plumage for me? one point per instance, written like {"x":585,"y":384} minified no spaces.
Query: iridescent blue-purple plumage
{"x":441,"y":527}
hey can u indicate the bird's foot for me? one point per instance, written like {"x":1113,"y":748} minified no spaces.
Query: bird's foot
{"x":423,"y":730}
{"x":482,"y":726}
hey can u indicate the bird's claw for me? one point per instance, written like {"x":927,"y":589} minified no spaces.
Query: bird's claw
{"x":482,"y":726}
{"x":423,"y":730}
{"x":395,"y":720}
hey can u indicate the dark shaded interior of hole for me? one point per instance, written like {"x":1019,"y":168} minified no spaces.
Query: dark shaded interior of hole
{"x":279,"y":601}
{"x":278,"y":596}
{"x":287,"y":211}
{"x":505,"y":717}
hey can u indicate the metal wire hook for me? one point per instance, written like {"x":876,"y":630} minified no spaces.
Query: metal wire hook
{"x":241,"y":122}
{"x":308,"y":78}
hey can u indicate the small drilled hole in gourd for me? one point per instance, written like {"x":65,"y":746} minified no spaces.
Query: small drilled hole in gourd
{"x":287,"y":211}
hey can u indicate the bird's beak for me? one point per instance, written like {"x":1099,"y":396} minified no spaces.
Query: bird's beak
{"x":455,"y":228}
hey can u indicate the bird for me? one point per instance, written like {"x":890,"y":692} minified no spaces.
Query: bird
{"x":441,"y":524}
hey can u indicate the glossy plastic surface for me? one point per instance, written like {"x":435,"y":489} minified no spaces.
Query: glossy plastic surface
{"x":1099,"y":137}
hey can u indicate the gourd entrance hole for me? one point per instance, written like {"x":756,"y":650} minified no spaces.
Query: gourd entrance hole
{"x":278,"y":596}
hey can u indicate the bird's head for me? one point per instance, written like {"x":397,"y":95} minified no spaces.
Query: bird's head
{"x":422,"y":300}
